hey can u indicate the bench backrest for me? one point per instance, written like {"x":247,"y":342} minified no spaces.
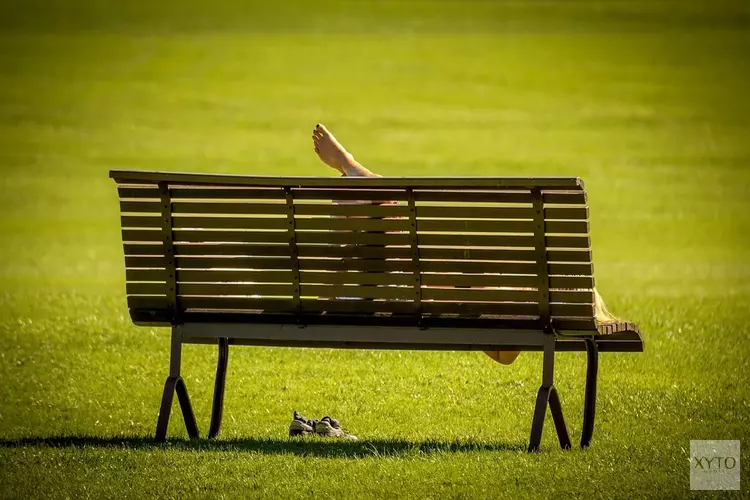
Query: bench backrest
{"x":513,"y":250}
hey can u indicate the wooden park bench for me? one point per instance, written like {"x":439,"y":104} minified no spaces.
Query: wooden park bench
{"x":454,"y":263}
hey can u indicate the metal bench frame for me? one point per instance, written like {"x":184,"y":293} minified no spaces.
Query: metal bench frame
{"x":295,"y":328}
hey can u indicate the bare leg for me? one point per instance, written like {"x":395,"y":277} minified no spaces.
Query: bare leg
{"x":503,"y":357}
{"x":333,"y":154}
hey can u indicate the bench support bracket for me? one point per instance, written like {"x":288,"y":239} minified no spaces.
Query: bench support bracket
{"x":219,"y":386}
{"x":547,"y":395}
{"x":174,"y":384}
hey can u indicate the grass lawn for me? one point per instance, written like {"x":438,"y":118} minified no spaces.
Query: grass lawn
{"x":646,"y":101}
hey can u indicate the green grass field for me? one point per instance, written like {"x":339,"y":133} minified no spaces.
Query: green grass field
{"x":646,"y":101}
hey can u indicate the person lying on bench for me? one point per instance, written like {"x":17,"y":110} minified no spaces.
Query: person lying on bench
{"x":332,"y":153}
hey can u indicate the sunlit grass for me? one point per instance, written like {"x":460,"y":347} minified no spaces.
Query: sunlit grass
{"x":646,"y":102}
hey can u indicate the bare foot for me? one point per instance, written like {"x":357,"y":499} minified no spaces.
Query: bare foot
{"x":329,"y":150}
{"x":333,"y":154}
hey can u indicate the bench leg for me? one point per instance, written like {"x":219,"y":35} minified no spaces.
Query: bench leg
{"x":221,"y":378}
{"x":537,"y":424}
{"x":174,"y":384}
{"x":589,"y":405}
{"x":165,"y":409}
{"x":187,"y":409}
{"x":548,"y":395}
{"x":557,"y":417}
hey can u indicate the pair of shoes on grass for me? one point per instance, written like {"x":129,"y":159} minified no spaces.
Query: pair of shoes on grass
{"x":326,"y":426}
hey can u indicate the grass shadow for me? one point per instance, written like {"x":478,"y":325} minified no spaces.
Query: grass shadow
{"x":306,"y":446}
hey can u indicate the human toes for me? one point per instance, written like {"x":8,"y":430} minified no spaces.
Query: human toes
{"x":317,"y":139}
{"x":322,"y":130}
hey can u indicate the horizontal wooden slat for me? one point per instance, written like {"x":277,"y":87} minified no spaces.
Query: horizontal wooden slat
{"x":133,"y":221}
{"x":133,"y":262}
{"x":288,"y":305}
{"x":140,"y":206}
{"x":572,"y":310}
{"x":230,"y":222}
{"x":505,"y":280}
{"x":578,"y":198}
{"x":357,"y":306}
{"x":145,"y":275}
{"x":475,"y":240}
{"x":493,"y":240}
{"x":480,"y":294}
{"x":364,"y":195}
{"x":154,"y":249}
{"x":475,"y":226}
{"x":141,"y":235}
{"x":476,"y":254}
{"x":352,"y":224}
{"x":566,"y":213}
{"x":356,"y":278}
{"x":504,"y":295}
{"x":147,"y":302}
{"x":516,"y":196}
{"x":571,"y":282}
{"x":575,"y":269}
{"x":233,"y":249}
{"x":469,"y":209}
{"x":232,"y":286}
{"x":201,"y":193}
{"x":504,"y":267}
{"x":239,"y":303}
{"x":495,"y":280}
{"x":138,"y":192}
{"x":352,"y":210}
{"x":566,"y":227}
{"x":354,"y":251}
{"x":569,"y":255}
{"x":503,"y":254}
{"x":566,"y":316}
{"x":375,"y":265}
{"x":259,"y":263}
{"x":274,"y":250}
{"x":568,"y":242}
{"x":204,"y":276}
{"x":547,"y":183}
{"x":226,"y":193}
{"x":479,"y":308}
{"x":346,"y":237}
{"x":476,"y":212}
{"x":431,"y":266}
{"x":349,"y":238}
{"x":197,"y":207}
{"x":371,"y":292}
{"x":223,"y":289}
{"x":505,"y":308}
{"x":193,"y":236}
{"x":146,"y":288}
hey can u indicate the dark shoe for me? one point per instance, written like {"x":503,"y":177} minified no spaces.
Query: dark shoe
{"x":301,"y":426}
{"x":331,"y":427}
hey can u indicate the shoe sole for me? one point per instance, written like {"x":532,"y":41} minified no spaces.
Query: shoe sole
{"x":326,"y":429}
{"x":297,"y":428}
